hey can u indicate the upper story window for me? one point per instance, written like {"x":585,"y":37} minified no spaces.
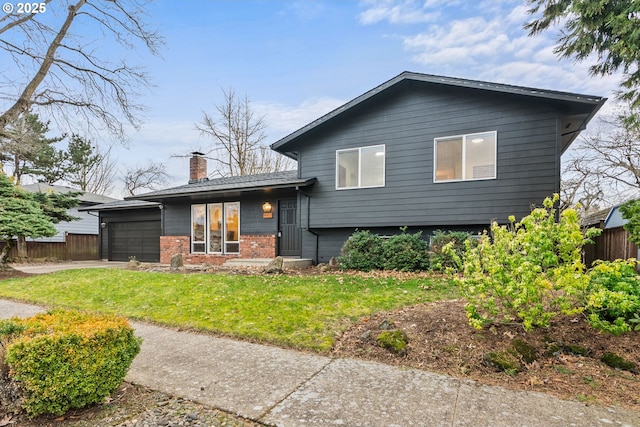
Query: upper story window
{"x":361,"y":167}
{"x":465,"y":157}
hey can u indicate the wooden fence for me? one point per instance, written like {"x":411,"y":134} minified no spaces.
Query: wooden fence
{"x":612,"y":244}
{"x":77,"y":247}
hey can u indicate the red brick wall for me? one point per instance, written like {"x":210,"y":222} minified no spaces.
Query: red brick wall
{"x":251,"y":246}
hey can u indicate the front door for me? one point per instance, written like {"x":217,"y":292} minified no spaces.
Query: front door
{"x":289,"y":230}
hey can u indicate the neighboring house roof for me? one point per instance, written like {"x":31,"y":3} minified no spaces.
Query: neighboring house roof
{"x":596,"y":219}
{"x":285,"y":179}
{"x":571,"y":126}
{"x":121,"y":205}
{"x":615,"y":219}
{"x":84,"y":198}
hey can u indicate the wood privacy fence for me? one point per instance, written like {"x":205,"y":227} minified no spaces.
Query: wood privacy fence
{"x":612,"y":244}
{"x":77,"y":247}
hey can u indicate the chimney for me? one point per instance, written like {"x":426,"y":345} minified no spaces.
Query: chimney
{"x":197,"y":168}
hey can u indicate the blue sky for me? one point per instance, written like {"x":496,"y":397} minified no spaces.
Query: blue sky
{"x":297,"y":60}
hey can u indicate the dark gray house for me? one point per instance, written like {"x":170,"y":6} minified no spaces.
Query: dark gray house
{"x":421,"y":151}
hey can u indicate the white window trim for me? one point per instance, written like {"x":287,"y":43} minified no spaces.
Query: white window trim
{"x":384,"y":167}
{"x":193,"y":241}
{"x":207,"y":231}
{"x":464,"y":157}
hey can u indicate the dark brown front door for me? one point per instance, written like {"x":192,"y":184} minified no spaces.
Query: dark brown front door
{"x":289,"y":229}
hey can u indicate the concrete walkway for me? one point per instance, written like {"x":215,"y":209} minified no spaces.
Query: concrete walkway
{"x":287,"y":388}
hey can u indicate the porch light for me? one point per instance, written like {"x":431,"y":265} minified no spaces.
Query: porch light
{"x":266,"y":210}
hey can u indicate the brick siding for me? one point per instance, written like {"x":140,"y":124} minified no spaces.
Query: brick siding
{"x":251,"y":246}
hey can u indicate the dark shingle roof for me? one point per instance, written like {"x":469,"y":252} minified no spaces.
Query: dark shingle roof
{"x":121,"y":205}
{"x":285,"y":179}
{"x":574,"y":126}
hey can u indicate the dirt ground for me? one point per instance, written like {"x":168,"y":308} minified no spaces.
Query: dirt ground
{"x":567,"y":360}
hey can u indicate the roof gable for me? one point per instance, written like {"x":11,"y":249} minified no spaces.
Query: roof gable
{"x":572,"y":124}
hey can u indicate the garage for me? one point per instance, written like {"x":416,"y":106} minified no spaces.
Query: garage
{"x":129,"y":228}
{"x":139,"y":239}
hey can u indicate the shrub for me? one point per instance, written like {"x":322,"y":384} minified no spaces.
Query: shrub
{"x":362,"y":251}
{"x":406,"y":252}
{"x":613,"y":300}
{"x":67,"y":359}
{"x":529,"y":271}
{"x":631,"y":212}
{"x":446,"y":249}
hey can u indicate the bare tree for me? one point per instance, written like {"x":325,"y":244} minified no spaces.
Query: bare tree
{"x":66,"y":72}
{"x":147,"y":177}
{"x":239,"y":138}
{"x":603,"y":168}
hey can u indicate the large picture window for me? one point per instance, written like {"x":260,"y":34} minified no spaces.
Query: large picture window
{"x":361,"y":167}
{"x":215,"y":228}
{"x":465,"y":157}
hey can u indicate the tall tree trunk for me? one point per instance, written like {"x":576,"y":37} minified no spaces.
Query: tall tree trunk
{"x":22,"y":247}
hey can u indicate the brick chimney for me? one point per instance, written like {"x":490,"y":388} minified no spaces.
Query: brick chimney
{"x":197,"y":168}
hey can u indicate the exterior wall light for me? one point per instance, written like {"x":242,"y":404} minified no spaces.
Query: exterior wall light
{"x":267,"y":210}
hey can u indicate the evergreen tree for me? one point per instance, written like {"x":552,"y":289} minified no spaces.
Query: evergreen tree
{"x":24,"y":142}
{"x":608,"y":29}
{"x":20,"y":215}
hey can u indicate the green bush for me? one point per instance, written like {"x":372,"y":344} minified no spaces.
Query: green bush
{"x":613,"y":300}
{"x":406,"y":252}
{"x":67,"y":359}
{"x":631,"y":212}
{"x":529,"y":271}
{"x":362,"y":251}
{"x":447,"y":249}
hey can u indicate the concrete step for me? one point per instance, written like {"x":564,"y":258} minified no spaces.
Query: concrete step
{"x":288,"y":263}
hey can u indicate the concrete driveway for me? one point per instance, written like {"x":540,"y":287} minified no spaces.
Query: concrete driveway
{"x":51,"y":267}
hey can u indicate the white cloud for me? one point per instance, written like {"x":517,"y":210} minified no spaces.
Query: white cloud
{"x":396,"y":12}
{"x":284,"y":119}
{"x":463,"y":41}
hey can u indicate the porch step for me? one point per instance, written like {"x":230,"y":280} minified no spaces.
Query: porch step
{"x":288,"y":263}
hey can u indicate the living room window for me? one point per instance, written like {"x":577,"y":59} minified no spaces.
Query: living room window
{"x":361,"y":167}
{"x":465,"y":157}
{"x":215,"y":228}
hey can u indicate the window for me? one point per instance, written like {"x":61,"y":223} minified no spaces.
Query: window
{"x":215,"y":228}
{"x":465,"y":157}
{"x":360,"y":167}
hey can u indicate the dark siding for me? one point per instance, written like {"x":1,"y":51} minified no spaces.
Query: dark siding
{"x":177,"y":216}
{"x":407,"y":123}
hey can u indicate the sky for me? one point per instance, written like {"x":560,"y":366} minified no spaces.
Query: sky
{"x":297,"y":60}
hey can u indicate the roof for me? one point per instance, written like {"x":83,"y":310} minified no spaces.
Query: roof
{"x":85,"y":198}
{"x":571,"y":127}
{"x":596,"y":218}
{"x":121,"y":205}
{"x":217,"y":186}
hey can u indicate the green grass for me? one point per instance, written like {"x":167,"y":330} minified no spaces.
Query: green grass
{"x":298,"y":311}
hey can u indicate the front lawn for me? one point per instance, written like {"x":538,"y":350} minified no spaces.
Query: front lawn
{"x":308,"y":311}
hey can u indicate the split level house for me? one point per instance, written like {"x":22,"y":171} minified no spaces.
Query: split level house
{"x":419,"y":151}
